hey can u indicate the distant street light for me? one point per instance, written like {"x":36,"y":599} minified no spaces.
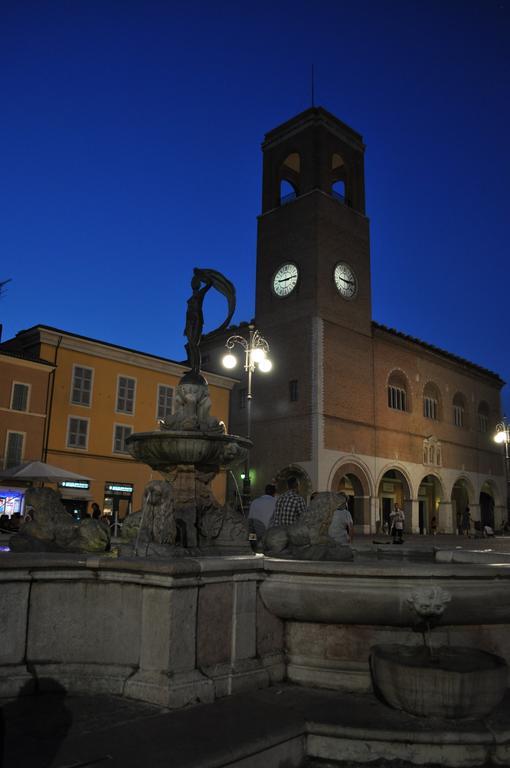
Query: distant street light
{"x":256,"y":350}
{"x":502,"y":436}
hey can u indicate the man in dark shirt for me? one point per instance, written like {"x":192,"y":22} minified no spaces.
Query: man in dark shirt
{"x":289,"y":506}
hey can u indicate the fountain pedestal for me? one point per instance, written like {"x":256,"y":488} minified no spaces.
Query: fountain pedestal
{"x":189,"y":460}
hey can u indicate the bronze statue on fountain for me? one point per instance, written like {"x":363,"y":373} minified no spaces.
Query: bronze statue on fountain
{"x":179,"y":514}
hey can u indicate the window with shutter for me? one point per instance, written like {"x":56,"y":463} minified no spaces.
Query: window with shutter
{"x":77,"y":434}
{"x":14,"y":449}
{"x":19,"y":400}
{"x":165,"y":401}
{"x":125,"y":395}
{"x":82,"y":385}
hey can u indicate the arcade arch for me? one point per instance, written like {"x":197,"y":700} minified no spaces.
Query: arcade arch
{"x":393,"y":488}
{"x":354,"y":482}
{"x":463,"y":496}
{"x":488,"y":498}
{"x":430,"y":495}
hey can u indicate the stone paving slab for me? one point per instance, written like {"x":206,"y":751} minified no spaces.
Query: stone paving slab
{"x":58,"y":731}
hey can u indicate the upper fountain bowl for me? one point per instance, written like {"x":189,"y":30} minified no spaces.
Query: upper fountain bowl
{"x":168,"y":448}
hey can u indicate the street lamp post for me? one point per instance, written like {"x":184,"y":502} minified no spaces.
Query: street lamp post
{"x":256,"y":349}
{"x":503,"y":436}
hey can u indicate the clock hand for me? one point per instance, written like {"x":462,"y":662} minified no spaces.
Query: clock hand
{"x":284,"y":279}
{"x":351,"y":282}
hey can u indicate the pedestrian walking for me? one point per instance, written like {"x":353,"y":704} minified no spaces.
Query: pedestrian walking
{"x":397,"y":519}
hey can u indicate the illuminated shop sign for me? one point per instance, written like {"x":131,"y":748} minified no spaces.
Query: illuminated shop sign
{"x":10,"y":502}
{"x":82,"y":485}
{"x":119,"y":488}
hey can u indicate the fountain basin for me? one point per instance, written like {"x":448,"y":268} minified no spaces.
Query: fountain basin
{"x":455,"y":682}
{"x":376,"y":593}
{"x":166,"y":449}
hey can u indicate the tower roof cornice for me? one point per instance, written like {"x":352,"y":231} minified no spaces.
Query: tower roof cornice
{"x":314,"y":116}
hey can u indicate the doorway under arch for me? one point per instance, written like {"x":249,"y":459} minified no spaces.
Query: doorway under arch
{"x":393,"y":489}
{"x":462,"y":497}
{"x":487,"y":503}
{"x":351,"y":480}
{"x":430,"y":494}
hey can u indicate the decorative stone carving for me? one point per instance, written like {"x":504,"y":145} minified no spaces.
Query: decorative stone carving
{"x":193,"y":409}
{"x":52,"y":529}
{"x":429,"y":603}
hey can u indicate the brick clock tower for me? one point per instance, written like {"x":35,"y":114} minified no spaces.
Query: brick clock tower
{"x":349,"y":403}
{"x":313,"y":296}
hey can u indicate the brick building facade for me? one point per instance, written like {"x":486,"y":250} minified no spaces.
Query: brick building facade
{"x":349,"y":403}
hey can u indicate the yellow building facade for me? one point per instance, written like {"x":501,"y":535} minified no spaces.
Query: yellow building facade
{"x":99,"y":394}
{"x":24,"y":392}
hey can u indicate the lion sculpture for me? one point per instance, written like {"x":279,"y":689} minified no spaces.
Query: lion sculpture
{"x":154,"y":525}
{"x":308,"y":538}
{"x":50,"y":528}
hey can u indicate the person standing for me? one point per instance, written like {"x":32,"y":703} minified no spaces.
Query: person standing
{"x":289,"y":506}
{"x":95,"y":513}
{"x":466,"y":522}
{"x":261,"y":511}
{"x":397,"y":518}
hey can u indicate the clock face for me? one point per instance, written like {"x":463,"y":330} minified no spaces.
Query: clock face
{"x":285,"y":279}
{"x":345,"y":280}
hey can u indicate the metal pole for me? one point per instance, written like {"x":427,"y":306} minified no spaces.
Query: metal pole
{"x":503,"y":429}
{"x":507,"y":468}
{"x":249,"y":369}
{"x":254,"y":343}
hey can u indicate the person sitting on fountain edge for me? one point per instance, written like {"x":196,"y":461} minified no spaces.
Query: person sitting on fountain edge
{"x":261,"y":511}
{"x":341,"y":527}
{"x":289,"y":506}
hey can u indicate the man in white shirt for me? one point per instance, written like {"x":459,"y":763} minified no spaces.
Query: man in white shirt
{"x":261,"y":511}
{"x":341,"y":526}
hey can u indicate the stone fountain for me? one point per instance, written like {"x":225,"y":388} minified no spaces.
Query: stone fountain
{"x":445,"y":681}
{"x":180,"y":514}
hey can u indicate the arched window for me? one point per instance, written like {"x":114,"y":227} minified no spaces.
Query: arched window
{"x":338,"y":178}
{"x":287,"y":192}
{"x":459,"y":410}
{"x":483,"y":417}
{"x":431,"y":401}
{"x":398,"y":398}
{"x":290,"y":178}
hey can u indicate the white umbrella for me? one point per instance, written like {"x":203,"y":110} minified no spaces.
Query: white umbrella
{"x":39,"y":471}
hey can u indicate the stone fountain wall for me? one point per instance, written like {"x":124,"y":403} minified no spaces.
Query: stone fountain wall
{"x":190,"y":630}
{"x":169,"y":633}
{"x":335,"y":612}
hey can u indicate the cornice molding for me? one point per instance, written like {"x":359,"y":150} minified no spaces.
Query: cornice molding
{"x":106,"y":351}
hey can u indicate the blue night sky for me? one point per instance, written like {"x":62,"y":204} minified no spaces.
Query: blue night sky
{"x":130,"y":140}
